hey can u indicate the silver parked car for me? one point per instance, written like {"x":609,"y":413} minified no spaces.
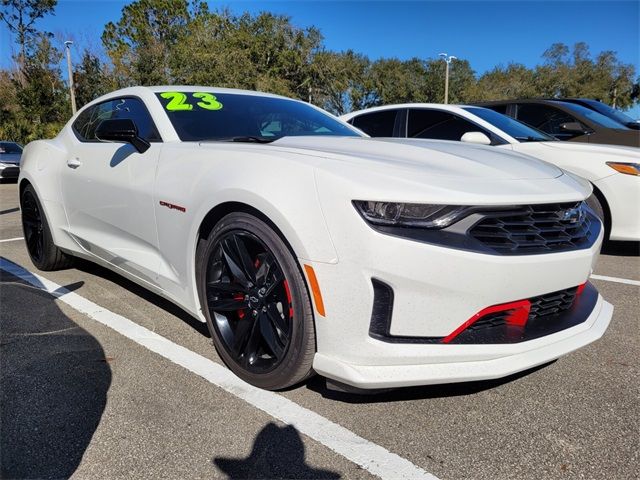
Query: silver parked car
{"x":10,"y":153}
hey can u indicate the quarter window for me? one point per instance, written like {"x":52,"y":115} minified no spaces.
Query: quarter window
{"x":376,"y":124}
{"x":121,"y":108}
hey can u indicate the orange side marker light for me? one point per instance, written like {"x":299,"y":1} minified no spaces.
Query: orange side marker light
{"x":315,"y":289}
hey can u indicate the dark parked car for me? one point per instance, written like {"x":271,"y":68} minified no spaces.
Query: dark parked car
{"x":10,"y":153}
{"x":606,"y":110}
{"x":567,"y":121}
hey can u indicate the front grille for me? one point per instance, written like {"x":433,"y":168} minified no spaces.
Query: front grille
{"x":552,"y":303}
{"x":537,"y":228}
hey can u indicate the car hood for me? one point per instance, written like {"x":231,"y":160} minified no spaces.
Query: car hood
{"x":595,"y":148}
{"x":437,"y":158}
{"x":608,"y":152}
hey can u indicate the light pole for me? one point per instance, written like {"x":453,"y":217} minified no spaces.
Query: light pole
{"x":447,"y":60}
{"x":67,"y":46}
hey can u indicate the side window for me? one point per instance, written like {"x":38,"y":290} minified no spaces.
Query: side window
{"x":499,"y":108}
{"x":545,"y":118}
{"x":440,"y":125}
{"x":376,"y":124}
{"x":131,"y":108}
{"x":83,"y":122}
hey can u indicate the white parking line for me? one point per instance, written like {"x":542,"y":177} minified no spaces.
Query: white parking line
{"x":616,"y":280}
{"x":11,"y":239}
{"x":371,"y":457}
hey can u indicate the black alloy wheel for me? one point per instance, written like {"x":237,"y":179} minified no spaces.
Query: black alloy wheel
{"x":44,"y":254}
{"x":33,"y":227}
{"x":256,"y":303}
{"x":250,"y":300}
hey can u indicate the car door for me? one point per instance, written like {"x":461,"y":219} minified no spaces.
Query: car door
{"x":108,"y":190}
{"x":441,"y":125}
{"x":550,"y":119}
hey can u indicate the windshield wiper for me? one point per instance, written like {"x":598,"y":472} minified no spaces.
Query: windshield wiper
{"x":244,"y":139}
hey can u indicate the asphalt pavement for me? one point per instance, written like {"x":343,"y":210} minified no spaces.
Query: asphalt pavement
{"x":80,"y":399}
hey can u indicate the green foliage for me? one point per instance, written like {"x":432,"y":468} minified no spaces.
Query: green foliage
{"x":37,"y":103}
{"x":140,"y":43}
{"x":514,"y":81}
{"x":183,"y":42}
{"x":20,"y":17}
{"x":91,"y":79}
{"x":341,"y":82}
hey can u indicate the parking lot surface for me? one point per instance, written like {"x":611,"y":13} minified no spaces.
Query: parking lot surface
{"x":79,"y":398}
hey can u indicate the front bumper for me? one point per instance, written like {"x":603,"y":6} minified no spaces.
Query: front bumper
{"x":8,"y":171}
{"x":436,"y":289}
{"x":494,"y":361}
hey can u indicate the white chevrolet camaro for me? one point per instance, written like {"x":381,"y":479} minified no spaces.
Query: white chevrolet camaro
{"x":614,"y":171}
{"x":307,"y":247}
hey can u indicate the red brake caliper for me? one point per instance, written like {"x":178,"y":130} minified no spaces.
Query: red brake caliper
{"x":286,"y":289}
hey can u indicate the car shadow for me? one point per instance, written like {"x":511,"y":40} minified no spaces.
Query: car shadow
{"x":319,"y":385}
{"x":121,"y":154}
{"x":157,"y":300}
{"x":53,"y":384}
{"x":278,"y":452}
{"x":621,"y":249}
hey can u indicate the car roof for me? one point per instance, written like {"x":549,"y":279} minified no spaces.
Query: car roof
{"x":552,"y":101}
{"x":187,"y":88}
{"x":440,"y":106}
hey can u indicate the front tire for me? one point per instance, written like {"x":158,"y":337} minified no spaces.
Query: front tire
{"x":594,"y":203}
{"x":37,"y":234}
{"x":255,"y":300}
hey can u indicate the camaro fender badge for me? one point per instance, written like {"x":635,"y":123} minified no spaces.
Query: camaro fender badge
{"x":172,"y":206}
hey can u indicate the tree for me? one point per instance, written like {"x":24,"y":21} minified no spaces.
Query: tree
{"x":43,"y":97}
{"x":341,"y":82}
{"x":461,"y":80}
{"x":20,"y":17}
{"x":91,"y":79}
{"x":264,"y":52}
{"x":514,"y":81}
{"x":575,"y":73}
{"x":36,"y":104}
{"x":397,"y":81}
{"x":140,"y":43}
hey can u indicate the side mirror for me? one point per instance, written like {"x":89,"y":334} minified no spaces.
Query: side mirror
{"x":121,"y":130}
{"x":572,"y":127}
{"x":475,"y":137}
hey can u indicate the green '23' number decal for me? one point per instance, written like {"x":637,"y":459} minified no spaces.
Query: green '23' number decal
{"x":209,"y":102}
{"x":178,"y":101}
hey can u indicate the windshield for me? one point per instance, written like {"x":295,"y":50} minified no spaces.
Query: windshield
{"x":593,"y":116}
{"x":10,"y":147}
{"x":610,"y":112}
{"x":513,"y":128}
{"x":201,"y":116}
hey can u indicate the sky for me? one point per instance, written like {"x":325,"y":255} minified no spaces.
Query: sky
{"x":486,"y":33}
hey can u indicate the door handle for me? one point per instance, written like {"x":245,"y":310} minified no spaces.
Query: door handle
{"x":74,"y":162}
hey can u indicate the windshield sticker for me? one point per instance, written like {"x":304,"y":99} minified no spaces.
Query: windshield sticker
{"x":178,"y":101}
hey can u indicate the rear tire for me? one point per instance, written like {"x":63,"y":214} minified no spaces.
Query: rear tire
{"x":256,"y":303}
{"x":37,"y":234}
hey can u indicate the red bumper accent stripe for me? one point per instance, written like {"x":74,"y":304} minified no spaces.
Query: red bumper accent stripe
{"x":518,"y":316}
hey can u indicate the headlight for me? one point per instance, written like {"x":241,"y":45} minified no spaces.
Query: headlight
{"x":626,"y":168}
{"x":411,"y":214}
